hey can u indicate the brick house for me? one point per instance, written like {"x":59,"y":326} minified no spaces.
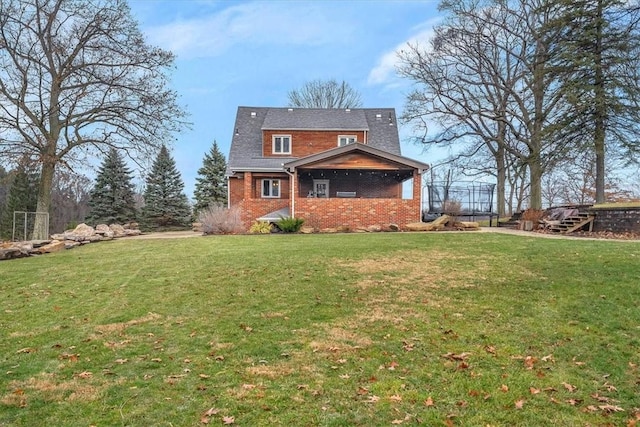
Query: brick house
{"x":332,"y":167}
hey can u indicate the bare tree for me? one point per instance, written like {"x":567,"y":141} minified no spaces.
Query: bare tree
{"x":76,"y":77}
{"x":486,"y":84}
{"x":325,"y":94}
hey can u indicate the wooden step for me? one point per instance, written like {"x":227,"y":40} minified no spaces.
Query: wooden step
{"x":573,"y":223}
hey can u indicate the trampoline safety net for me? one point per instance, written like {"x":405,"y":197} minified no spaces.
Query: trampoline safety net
{"x":462,"y":198}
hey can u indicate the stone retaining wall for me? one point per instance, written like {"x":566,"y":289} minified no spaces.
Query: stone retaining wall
{"x":618,"y":220}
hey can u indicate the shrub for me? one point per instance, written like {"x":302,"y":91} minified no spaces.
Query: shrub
{"x":534,"y":215}
{"x":218,"y":220}
{"x":290,"y":224}
{"x":260,"y":227}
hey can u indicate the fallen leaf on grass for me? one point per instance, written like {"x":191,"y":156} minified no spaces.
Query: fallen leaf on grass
{"x":490,"y":349}
{"x":396,"y":421}
{"x":121,"y":361}
{"x":372,"y":399}
{"x":459,"y":357}
{"x":504,"y":388}
{"x":569,"y":387}
{"x":203,"y":376}
{"x":529,"y":361}
{"x":519,"y":404}
{"x":395,"y":398}
{"x":70,"y":357}
{"x":534,"y":390}
{"x":26,"y":350}
{"x":228,"y":420}
{"x":429,"y":401}
{"x":610,"y":408}
{"x":84,"y":375}
{"x":574,"y":402}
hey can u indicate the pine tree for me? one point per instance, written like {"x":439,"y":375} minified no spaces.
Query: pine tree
{"x":23,"y":196}
{"x":112,"y":198}
{"x":211,"y":184}
{"x":165,"y":202}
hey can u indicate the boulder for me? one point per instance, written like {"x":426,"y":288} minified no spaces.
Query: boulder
{"x":104,"y":230}
{"x":83,"y":230}
{"x":441,"y":220}
{"x":374,"y":228}
{"x":393,"y":227}
{"x":118,"y":230}
{"x":132,"y":232}
{"x":70,"y":244}
{"x":329,"y":230}
{"x":419,"y":226}
{"x":54,"y":246}
{"x":131,"y":226}
{"x":12,"y":253}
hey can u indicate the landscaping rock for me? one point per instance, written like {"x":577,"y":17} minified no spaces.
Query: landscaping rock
{"x":307,"y":229}
{"x":118,"y":230}
{"x":329,"y":230}
{"x":394,"y":227}
{"x":104,"y":230}
{"x":374,"y":228}
{"x":54,"y":246}
{"x":83,"y":230}
{"x":420,"y":226}
{"x":12,"y":253}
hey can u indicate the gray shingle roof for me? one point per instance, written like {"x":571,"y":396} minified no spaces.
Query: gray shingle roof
{"x":246,"y":145}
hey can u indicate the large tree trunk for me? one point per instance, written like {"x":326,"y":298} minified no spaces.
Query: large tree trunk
{"x":41,"y":224}
{"x":600,"y":112}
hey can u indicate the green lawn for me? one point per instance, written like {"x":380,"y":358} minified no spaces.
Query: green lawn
{"x":467,"y":329}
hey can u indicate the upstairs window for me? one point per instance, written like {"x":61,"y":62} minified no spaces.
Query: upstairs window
{"x":271,"y":188}
{"x":281,"y":144}
{"x":346,"y":139}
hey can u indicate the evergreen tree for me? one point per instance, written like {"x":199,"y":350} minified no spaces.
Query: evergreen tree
{"x":111,"y":199}
{"x":165,"y":202}
{"x":23,"y":196}
{"x":211,"y":184}
{"x":597,"y":56}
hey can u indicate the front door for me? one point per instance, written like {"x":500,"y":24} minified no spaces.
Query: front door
{"x":321,"y":188}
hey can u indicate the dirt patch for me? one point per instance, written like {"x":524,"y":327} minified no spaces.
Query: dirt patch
{"x":49,"y":389}
{"x":119,"y":327}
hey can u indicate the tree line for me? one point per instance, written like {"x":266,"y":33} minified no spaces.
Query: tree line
{"x":525,"y":88}
{"x":112,"y":197}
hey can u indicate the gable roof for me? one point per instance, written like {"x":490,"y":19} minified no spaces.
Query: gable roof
{"x":345,"y":149}
{"x":246,"y":146}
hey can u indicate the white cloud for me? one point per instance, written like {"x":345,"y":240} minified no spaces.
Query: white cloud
{"x":384,"y":73}
{"x":253,"y":24}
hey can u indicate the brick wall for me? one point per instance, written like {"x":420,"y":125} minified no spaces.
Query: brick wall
{"x":616,"y":219}
{"x":353,"y":213}
{"x":305,"y":143}
{"x":360,"y":212}
{"x":255,"y":208}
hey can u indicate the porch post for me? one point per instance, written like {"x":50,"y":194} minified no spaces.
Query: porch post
{"x":417,"y":191}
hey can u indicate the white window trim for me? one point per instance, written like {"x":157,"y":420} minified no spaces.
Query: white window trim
{"x":273,"y":144}
{"x":354,"y":137}
{"x":270,"y":196}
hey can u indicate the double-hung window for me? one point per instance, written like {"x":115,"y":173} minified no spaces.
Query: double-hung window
{"x":346,"y":139}
{"x":271,"y":188}
{"x":281,"y":144}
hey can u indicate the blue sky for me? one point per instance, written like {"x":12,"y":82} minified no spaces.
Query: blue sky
{"x":252,"y":53}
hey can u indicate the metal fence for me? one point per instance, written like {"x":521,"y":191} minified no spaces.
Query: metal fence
{"x":24,"y":226}
{"x":463,"y":198}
